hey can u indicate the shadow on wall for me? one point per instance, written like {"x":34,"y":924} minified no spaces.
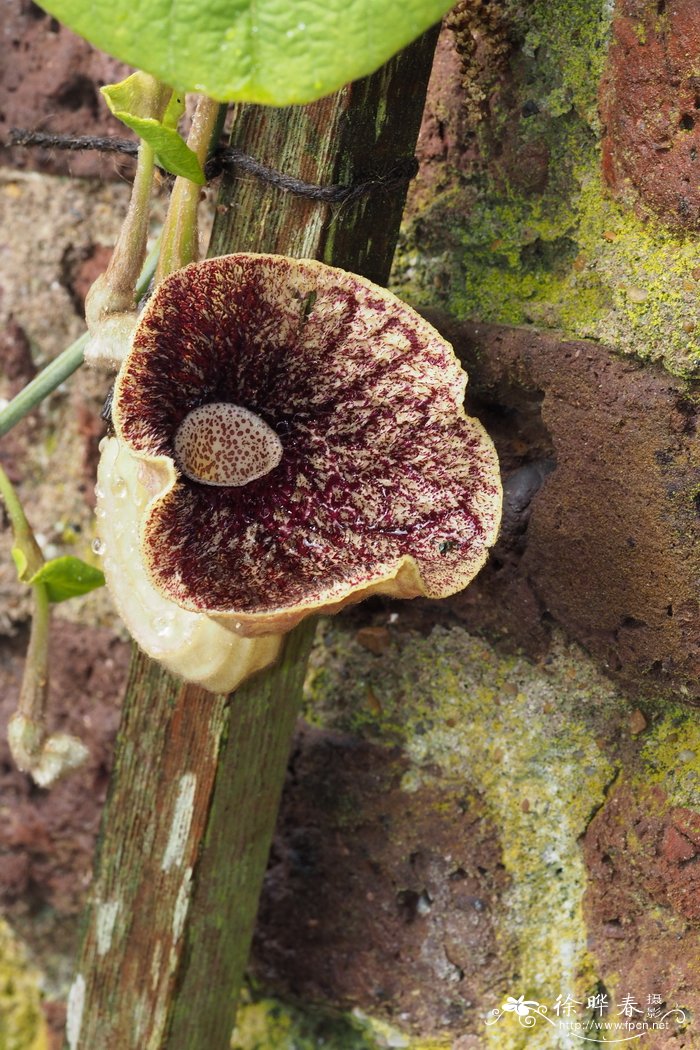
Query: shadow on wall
{"x":601,"y":461}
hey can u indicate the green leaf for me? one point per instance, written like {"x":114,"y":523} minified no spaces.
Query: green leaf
{"x":128,"y":101}
{"x":21,"y":563}
{"x":68,"y":577}
{"x":275,"y":52}
{"x":133,"y":95}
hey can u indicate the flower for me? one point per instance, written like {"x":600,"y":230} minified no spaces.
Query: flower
{"x":301,"y":437}
{"x":189,"y":644}
{"x":520,"y":1006}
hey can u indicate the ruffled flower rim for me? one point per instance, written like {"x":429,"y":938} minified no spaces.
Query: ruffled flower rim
{"x":311,"y":286}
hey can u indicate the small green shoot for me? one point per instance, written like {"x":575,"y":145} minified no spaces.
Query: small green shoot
{"x":127,"y":101}
{"x":68,"y":577}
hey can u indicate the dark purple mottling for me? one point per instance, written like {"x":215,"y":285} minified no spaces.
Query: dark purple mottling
{"x":379,"y":461}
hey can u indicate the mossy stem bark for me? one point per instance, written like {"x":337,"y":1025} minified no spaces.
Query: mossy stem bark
{"x":197,"y":779}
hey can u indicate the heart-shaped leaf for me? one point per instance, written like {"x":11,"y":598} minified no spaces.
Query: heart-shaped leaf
{"x":275,"y":52}
{"x":126,"y":101}
{"x":67,"y":577}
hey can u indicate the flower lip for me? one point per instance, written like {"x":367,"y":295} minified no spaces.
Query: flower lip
{"x":223,"y":444}
{"x":188,"y":643}
{"x":384,"y":485}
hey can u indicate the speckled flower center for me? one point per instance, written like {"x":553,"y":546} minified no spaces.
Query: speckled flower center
{"x":224,"y":444}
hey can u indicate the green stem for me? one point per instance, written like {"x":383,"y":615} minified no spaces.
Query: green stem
{"x":35,"y":681}
{"x":66,"y":363}
{"x":174,"y":110}
{"x":147,"y":273}
{"x":180,"y":237}
{"x":22,"y":533}
{"x":43,"y":384}
{"x":34,"y":688}
{"x":130,"y":250}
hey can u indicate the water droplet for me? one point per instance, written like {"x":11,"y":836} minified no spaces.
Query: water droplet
{"x":99,"y":492}
{"x":119,"y":487}
{"x":163,"y":625}
{"x":98,"y":547}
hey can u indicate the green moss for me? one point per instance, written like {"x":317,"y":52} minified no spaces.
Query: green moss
{"x":629,"y":283}
{"x":568,"y":41}
{"x":21,"y":1020}
{"x":266,"y":1023}
{"x":526,"y":739}
{"x":671,"y":757}
{"x":566,"y":257}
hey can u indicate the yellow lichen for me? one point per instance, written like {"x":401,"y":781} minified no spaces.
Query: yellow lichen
{"x":671,"y":757}
{"x":567,"y":256}
{"x":264,"y":1023}
{"x":524,"y":738}
{"x":22,"y":1025}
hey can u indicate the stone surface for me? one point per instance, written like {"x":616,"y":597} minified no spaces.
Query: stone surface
{"x":650,"y":108}
{"x":643,"y":897}
{"x":50,"y":81}
{"x":47,"y":838}
{"x":536,"y":747}
{"x":376,"y":897}
{"x":600,"y":534}
{"x":516,"y":224}
{"x":21,"y":1023}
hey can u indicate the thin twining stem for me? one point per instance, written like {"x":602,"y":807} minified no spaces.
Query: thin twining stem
{"x":67,"y":362}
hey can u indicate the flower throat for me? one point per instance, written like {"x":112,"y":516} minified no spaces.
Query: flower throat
{"x":226,"y":445}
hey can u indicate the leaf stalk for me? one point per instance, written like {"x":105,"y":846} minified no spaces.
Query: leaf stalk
{"x":46,"y":757}
{"x":180,"y":235}
{"x":129,"y":252}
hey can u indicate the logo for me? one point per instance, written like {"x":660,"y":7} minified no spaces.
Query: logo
{"x":598,"y":1020}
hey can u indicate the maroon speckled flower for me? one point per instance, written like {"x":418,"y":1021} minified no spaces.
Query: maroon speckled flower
{"x":305,"y":444}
